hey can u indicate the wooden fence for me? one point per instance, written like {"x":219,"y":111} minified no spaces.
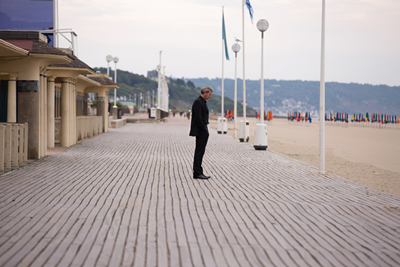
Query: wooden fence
{"x":13,"y":145}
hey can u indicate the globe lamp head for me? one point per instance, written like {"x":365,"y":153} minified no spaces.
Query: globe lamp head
{"x":109,"y":58}
{"x":236,"y":48}
{"x":262,"y":25}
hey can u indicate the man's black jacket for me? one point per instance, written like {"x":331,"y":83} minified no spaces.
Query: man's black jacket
{"x":199,"y":117}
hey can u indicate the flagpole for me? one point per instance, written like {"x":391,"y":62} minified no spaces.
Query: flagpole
{"x":222,"y":94}
{"x":322,"y":98}
{"x":55,"y":23}
{"x":235,"y":102}
{"x":244,"y":79}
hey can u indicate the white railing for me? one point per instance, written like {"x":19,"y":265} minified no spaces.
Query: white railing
{"x":13,"y":145}
{"x":88,"y":126}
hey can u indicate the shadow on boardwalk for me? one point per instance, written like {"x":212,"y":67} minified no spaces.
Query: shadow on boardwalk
{"x":127,"y":198}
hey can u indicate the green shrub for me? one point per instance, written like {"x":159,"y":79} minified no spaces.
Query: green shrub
{"x":119,"y":105}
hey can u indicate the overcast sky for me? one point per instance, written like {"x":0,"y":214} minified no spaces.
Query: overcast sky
{"x":362,"y":37}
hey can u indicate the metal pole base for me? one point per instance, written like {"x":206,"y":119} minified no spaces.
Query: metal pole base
{"x":115,"y":113}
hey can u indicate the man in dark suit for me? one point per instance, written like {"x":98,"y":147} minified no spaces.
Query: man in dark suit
{"x":198,"y":128}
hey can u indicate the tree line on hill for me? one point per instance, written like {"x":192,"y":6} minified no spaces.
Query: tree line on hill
{"x":304,"y":95}
{"x":182,"y":93}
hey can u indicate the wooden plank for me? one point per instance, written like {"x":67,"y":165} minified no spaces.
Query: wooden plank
{"x":105,"y":202}
{"x":8,"y":146}
{"x":21,"y":143}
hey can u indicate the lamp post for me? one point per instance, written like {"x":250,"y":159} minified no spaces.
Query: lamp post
{"x":236,"y":49}
{"x":260,"y":136}
{"x":115,"y":108}
{"x":159,"y":84}
{"x":322,"y":98}
{"x":115,"y":59}
{"x":244,"y":77}
{"x":262,"y":26}
{"x":109,"y":58}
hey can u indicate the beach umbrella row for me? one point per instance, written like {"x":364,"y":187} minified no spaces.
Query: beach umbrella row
{"x":229,"y":114}
{"x":331,"y":116}
{"x":362,"y":117}
{"x":267,"y":115}
{"x":384,"y":118}
{"x":299,"y":116}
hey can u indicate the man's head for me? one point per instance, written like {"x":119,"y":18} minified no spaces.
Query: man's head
{"x":206,"y":92}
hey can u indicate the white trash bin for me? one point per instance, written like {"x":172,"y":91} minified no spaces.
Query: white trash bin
{"x":241,"y":137}
{"x":224,"y":126}
{"x":219,"y":127}
{"x":260,"y":137}
{"x":152,"y":112}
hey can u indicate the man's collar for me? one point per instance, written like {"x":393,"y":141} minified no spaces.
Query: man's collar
{"x":203,"y":98}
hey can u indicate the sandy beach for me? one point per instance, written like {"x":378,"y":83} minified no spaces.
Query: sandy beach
{"x":368,"y":156}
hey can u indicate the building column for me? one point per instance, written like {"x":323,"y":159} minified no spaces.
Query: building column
{"x":12,"y":98}
{"x":29,"y":111}
{"x":41,"y":110}
{"x":65,"y":113}
{"x":105,"y":121}
{"x":72,"y":112}
{"x":44,"y":143}
{"x":85,"y":105}
{"x":50,"y":111}
{"x":101,"y":107}
{"x":75,"y":94}
{"x":70,"y":105}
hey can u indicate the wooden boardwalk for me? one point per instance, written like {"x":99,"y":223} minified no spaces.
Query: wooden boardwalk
{"x":127,"y":198}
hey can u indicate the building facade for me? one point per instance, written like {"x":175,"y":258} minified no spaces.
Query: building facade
{"x":47,"y":88}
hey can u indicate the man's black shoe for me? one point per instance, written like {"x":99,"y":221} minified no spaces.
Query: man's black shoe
{"x":201,"y":176}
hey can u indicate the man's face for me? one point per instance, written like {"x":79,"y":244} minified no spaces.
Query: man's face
{"x":206,"y":95}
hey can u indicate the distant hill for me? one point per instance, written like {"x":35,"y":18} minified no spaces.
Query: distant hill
{"x":181,"y":93}
{"x":304,"y":95}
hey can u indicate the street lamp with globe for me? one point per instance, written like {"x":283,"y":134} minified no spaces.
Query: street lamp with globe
{"x":109,"y":58}
{"x":115,"y":108}
{"x":236,"y":49}
{"x":115,"y":59}
{"x":260,"y":135}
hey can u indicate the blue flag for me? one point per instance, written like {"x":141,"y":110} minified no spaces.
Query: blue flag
{"x":224,"y":36}
{"x":250,"y":9}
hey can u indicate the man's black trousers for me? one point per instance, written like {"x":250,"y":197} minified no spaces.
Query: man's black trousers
{"x":201,"y":142}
